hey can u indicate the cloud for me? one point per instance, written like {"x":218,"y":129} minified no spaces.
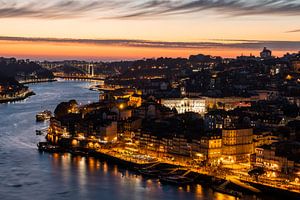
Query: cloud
{"x":134,"y":9}
{"x":294,"y":31}
{"x":214,"y":44}
{"x":53,"y":9}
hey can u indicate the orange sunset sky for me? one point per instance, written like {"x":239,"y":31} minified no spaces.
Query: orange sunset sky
{"x":122,"y":29}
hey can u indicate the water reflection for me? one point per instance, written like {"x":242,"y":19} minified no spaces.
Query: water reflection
{"x":89,"y":169}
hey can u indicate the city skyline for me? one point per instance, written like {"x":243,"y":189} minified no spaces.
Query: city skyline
{"x":128,"y":30}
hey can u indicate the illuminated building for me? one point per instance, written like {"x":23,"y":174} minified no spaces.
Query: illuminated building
{"x":202,"y":104}
{"x":266,"y":157}
{"x":237,"y":144}
{"x":135,"y":100}
{"x":208,"y":148}
{"x":280,"y":157}
{"x":132,"y":96}
{"x":123,"y":93}
{"x":109,"y":131}
{"x":229,"y":103}
{"x":179,"y":146}
{"x":264,"y":138}
{"x":150,"y":144}
{"x":196,"y":105}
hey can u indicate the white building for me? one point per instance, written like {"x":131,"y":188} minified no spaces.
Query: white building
{"x":196,"y":105}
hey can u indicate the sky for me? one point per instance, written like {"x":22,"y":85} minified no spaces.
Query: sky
{"x":134,"y":29}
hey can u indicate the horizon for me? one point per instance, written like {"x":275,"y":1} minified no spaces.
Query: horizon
{"x":186,"y":54}
{"x":129,"y":30}
{"x":133,"y":59}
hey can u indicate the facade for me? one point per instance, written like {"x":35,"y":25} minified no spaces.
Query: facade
{"x":237,"y":144}
{"x":229,"y":103}
{"x":109,"y":132}
{"x":176,"y":147}
{"x":213,"y":121}
{"x":196,"y":105}
{"x":202,"y":104}
{"x":208,"y":148}
{"x":266,"y":157}
{"x":150,"y":144}
{"x":180,"y":147}
{"x":135,"y":100}
{"x":264,"y":138}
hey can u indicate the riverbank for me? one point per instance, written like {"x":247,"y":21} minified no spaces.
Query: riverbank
{"x":22,"y":93}
{"x":17,"y":96}
{"x":39,"y":80}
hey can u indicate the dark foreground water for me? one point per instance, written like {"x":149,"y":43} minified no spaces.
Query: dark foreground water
{"x":27,"y":174}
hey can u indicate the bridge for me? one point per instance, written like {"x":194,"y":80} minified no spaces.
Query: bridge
{"x":78,"y":77}
{"x":85,"y":72}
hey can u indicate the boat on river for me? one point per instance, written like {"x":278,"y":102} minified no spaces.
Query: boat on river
{"x":43,"y":116}
{"x":176,"y":180}
{"x":223,"y":189}
{"x":150,"y":172}
{"x":46,"y":147}
{"x":41,"y":132}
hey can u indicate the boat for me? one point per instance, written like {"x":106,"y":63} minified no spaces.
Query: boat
{"x":39,"y":132}
{"x":43,"y":116}
{"x":176,"y":180}
{"x":79,"y":153}
{"x":46,"y":147}
{"x":150,"y":172}
{"x":225,"y":190}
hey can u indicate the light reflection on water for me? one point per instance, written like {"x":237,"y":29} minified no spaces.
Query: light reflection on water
{"x":106,"y":176}
{"x":27,"y":174}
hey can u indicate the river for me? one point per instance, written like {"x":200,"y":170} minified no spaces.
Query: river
{"x":27,"y":174}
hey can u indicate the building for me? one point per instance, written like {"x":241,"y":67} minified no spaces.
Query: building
{"x":183,"y":105}
{"x":296,"y":66}
{"x":108,"y":132}
{"x":229,"y":103}
{"x":280,"y":157}
{"x":150,"y":144}
{"x":266,"y":53}
{"x":208,"y":148}
{"x":135,"y":100}
{"x":237,"y":144}
{"x":266,"y":157}
{"x":202,"y":104}
{"x":261,"y":138}
{"x":214,"y":119}
{"x":180,"y":147}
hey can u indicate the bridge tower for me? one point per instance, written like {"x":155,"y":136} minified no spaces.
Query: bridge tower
{"x":91,"y":70}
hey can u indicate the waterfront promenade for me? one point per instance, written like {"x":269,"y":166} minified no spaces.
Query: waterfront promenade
{"x":215,"y":172}
{"x":136,"y":161}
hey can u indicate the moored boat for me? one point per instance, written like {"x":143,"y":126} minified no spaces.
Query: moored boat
{"x":176,"y":180}
{"x":38,"y":132}
{"x":230,"y":192}
{"x":150,"y":172}
{"x":41,"y":132}
{"x":43,"y":116}
{"x":46,"y":147}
